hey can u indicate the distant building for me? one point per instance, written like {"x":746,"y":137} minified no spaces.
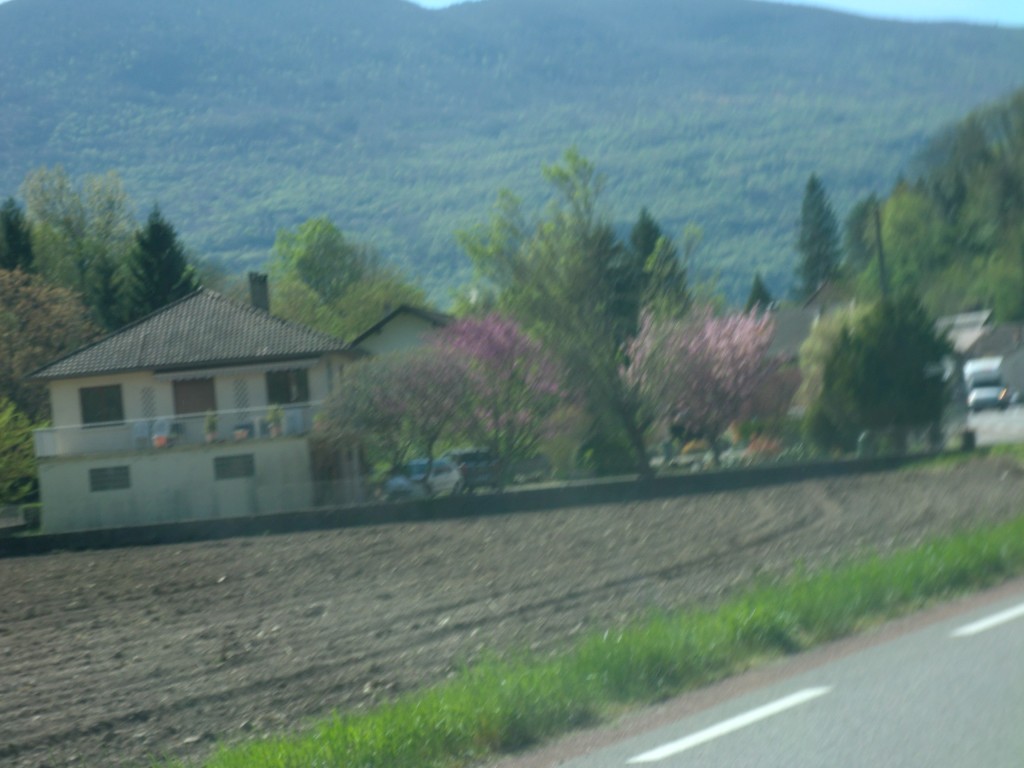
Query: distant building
{"x":204,"y":409}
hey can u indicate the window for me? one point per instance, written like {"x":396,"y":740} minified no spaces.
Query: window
{"x":109,"y":479}
{"x":232,"y":467}
{"x":285,"y":387}
{"x":101,"y":405}
{"x":194,"y":396}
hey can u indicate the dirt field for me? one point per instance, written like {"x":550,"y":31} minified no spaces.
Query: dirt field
{"x":109,"y":657}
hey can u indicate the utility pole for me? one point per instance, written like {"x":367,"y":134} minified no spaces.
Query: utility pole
{"x":883,"y":279}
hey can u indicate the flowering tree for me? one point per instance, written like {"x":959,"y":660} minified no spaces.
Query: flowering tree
{"x":696,"y":375}
{"x":398,"y":404}
{"x":513,"y":385}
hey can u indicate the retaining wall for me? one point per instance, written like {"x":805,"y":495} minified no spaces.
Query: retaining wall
{"x":554,"y":496}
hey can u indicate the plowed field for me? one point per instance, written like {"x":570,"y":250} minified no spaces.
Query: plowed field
{"x":110,"y":657}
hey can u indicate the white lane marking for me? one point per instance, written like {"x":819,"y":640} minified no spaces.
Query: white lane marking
{"x":728,"y":726}
{"x":992,"y":621}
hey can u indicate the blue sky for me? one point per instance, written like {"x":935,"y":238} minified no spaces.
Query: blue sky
{"x":1004,"y":12}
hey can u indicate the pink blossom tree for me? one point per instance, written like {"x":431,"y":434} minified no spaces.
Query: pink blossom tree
{"x":513,"y":385}
{"x":695,"y":376}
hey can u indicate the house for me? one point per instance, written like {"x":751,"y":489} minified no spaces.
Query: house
{"x":402,"y":328}
{"x":175,"y":417}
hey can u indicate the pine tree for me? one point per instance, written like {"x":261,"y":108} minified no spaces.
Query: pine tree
{"x":759,"y":297}
{"x":818,"y":243}
{"x":157,"y":271}
{"x":15,"y":238}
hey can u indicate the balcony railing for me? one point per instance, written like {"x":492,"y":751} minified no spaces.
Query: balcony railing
{"x":168,"y":432}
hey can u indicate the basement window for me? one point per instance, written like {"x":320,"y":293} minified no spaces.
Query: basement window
{"x":233,"y":467}
{"x":109,"y":479}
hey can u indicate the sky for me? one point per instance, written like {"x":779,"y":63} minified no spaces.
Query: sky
{"x":1008,"y":13}
{"x":1002,"y":12}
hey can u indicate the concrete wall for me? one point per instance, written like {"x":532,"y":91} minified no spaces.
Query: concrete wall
{"x":557,"y":496}
{"x":176,"y":485}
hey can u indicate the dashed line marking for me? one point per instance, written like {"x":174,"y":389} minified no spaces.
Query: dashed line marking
{"x":989,"y":623}
{"x":729,"y":726}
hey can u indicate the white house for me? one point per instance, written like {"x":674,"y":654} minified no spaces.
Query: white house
{"x":204,"y":409}
{"x":404,"y":327}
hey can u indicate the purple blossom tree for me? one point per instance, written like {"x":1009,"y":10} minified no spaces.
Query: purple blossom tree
{"x":695,"y":376}
{"x":398,"y":404}
{"x":513,"y":385}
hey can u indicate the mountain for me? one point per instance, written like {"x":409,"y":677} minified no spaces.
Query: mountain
{"x":401,"y":124}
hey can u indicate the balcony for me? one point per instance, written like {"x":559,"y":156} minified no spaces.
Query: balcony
{"x":169,"y":432}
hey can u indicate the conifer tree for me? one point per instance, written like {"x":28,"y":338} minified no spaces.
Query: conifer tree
{"x":157,"y":271}
{"x":15,"y":238}
{"x":818,"y":243}
{"x":759,"y":297}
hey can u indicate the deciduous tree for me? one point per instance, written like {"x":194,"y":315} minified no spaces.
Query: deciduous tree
{"x":561,"y":278}
{"x":17,"y":456}
{"x":399,"y":403}
{"x":325,"y":280}
{"x":695,"y":376}
{"x":73,"y":228}
{"x":513,"y":385}
{"x":39,"y":322}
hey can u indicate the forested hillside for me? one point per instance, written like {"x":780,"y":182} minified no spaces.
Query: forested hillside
{"x":954,"y":231}
{"x":401,"y":124}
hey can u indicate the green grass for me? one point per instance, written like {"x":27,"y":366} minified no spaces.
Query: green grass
{"x":503,"y":705}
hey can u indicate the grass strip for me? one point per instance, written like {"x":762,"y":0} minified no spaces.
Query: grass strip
{"x":501,"y":705}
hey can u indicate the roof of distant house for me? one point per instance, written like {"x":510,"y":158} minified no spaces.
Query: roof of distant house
{"x":203,"y":329}
{"x":429,"y":316}
{"x":965,"y":329}
{"x":1000,"y":339}
{"x":792,"y":326}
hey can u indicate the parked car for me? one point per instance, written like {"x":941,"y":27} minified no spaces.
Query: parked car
{"x":479,"y":467}
{"x":981,"y":398}
{"x":412,"y":480}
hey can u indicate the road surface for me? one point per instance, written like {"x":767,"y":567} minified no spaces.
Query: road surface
{"x":941,"y":690}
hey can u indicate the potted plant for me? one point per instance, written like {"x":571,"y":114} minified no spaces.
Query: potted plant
{"x":275,"y":419}
{"x":210,"y":426}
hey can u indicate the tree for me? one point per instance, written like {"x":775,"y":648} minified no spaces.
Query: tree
{"x":17,"y":454}
{"x":72,"y":228}
{"x":696,"y":376}
{"x":562,"y":280}
{"x":326,"y":281}
{"x":664,"y":286}
{"x":157,"y":271}
{"x":513,"y":386}
{"x":759,"y":298}
{"x":398,"y":404}
{"x":15,"y":238}
{"x":818,"y":242}
{"x":39,"y":322}
{"x":883,"y":375}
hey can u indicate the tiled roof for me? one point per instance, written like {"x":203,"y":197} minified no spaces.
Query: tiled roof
{"x":429,"y":316}
{"x":204,"y":329}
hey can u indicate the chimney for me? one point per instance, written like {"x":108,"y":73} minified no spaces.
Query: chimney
{"x":259,"y":292}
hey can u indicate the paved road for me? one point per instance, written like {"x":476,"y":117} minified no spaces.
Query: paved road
{"x":992,"y":427}
{"x":946,"y":695}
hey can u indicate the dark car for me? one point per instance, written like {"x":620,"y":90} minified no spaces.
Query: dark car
{"x":479,"y":467}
